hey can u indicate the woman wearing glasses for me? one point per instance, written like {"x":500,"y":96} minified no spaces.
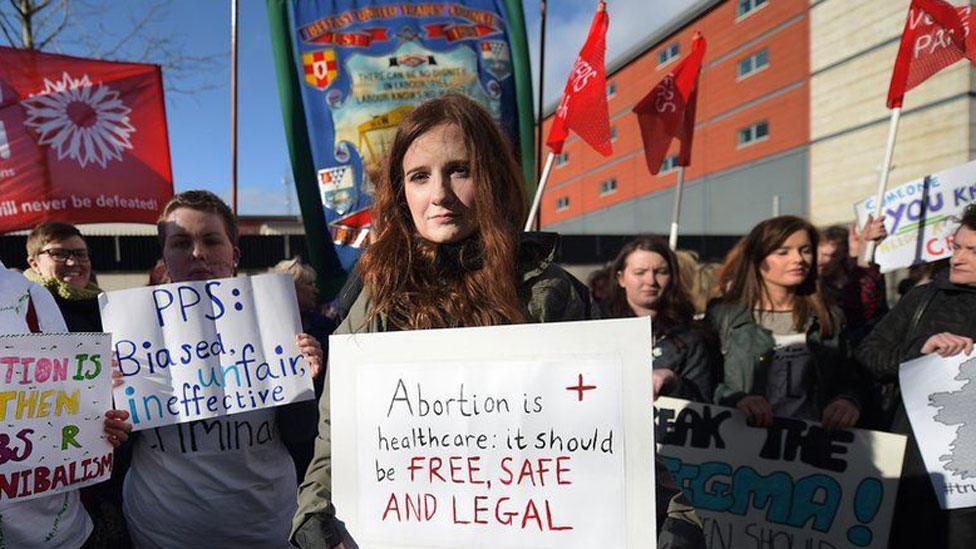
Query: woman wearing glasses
{"x":59,"y":261}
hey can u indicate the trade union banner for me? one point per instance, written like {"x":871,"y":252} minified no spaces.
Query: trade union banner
{"x":81,"y":140}
{"x":364,"y":65}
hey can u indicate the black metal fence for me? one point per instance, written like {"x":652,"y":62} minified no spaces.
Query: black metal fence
{"x":139,"y":253}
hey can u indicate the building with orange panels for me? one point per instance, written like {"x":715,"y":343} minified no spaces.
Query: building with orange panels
{"x":751,"y":148}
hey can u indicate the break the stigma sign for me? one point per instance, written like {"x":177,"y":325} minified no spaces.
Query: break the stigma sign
{"x":794,"y":484}
{"x":204,"y":349}
{"x":507,"y":433}
{"x":54,"y":392}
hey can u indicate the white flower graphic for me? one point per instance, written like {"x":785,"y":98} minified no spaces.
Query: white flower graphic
{"x":82,"y":121}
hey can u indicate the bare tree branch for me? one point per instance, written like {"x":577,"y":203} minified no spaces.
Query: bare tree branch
{"x":40,"y":7}
{"x":57,"y":31}
{"x":81,"y":28}
{"x":7,"y":28}
{"x":16,"y":5}
{"x":136,"y":26}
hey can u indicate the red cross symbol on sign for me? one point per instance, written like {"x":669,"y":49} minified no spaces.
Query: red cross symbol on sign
{"x":579,"y":388}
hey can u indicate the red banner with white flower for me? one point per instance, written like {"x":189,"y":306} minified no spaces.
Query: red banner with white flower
{"x":81,"y":141}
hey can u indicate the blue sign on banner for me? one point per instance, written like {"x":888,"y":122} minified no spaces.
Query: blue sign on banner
{"x":366,"y":64}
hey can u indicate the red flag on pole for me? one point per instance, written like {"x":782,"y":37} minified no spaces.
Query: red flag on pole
{"x":668,"y":111}
{"x":583,"y":107}
{"x":936,"y":35}
{"x":81,"y":141}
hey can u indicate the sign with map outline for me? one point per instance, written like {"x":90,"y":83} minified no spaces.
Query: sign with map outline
{"x":940,"y":398}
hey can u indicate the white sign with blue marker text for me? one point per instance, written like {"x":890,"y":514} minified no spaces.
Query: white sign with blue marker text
{"x":921,"y":217}
{"x":203,"y":349}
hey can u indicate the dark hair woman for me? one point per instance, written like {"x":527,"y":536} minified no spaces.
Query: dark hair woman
{"x":649,"y":284}
{"x":784,"y":349}
{"x":447,"y":251}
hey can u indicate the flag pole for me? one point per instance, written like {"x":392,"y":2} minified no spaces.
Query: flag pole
{"x":534,"y":211}
{"x":883,"y":179}
{"x":233,"y":105}
{"x":542,"y":73}
{"x":676,"y":209}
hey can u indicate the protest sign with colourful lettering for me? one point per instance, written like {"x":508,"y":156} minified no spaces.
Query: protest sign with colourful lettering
{"x":55,"y":391}
{"x":921,"y":217}
{"x":202,"y":349}
{"x":528,"y":436}
{"x":790,"y":485}
{"x":940,"y":398}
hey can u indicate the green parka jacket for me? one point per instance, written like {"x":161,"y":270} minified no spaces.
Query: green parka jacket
{"x":550,"y":294}
{"x":747,"y":352}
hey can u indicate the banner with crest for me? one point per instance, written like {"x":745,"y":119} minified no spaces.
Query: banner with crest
{"x":364,"y":65}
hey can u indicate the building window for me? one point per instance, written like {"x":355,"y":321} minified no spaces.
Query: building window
{"x":613,"y":133}
{"x":611,"y":89}
{"x":608,"y":187}
{"x":754,"y":63}
{"x":751,"y":134}
{"x":562,"y":158}
{"x":748,"y":6}
{"x":668,"y":54}
{"x":670,"y":164}
{"x":562,"y":203}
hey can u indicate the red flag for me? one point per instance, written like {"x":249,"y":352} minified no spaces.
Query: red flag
{"x":81,"y":141}
{"x":583,"y":107}
{"x":936,"y":35}
{"x":668,"y":111}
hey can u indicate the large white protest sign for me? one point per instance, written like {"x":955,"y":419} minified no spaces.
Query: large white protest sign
{"x":512,"y":436}
{"x":791,"y":485}
{"x":195,"y":350}
{"x":940,"y":398}
{"x":920,"y":217}
{"x":55,"y":391}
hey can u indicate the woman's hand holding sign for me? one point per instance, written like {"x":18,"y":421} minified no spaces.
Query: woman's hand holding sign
{"x":947,"y":345}
{"x":311,"y":349}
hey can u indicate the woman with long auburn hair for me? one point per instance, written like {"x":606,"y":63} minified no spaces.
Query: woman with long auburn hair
{"x":649,"y":283}
{"x":451,"y":225}
{"x":448,"y":251}
{"x":784,"y":348}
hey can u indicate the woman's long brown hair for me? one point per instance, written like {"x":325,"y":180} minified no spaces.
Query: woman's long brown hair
{"x":746,"y":285}
{"x":407,"y":278}
{"x":673,"y":307}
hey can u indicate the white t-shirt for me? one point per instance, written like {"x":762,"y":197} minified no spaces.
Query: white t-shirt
{"x":222,"y":482}
{"x":59,"y":520}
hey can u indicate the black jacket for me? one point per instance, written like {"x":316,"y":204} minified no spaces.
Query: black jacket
{"x":81,"y":315}
{"x":926,"y":310}
{"x":939,"y":306}
{"x":683,"y":350}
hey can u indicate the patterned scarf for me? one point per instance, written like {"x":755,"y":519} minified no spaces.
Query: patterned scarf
{"x":65,"y":291}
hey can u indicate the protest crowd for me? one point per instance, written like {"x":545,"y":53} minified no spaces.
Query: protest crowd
{"x":795,"y":324}
{"x":220,"y":425}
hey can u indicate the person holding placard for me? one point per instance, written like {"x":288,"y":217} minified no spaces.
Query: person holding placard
{"x":204,"y":491}
{"x":853,"y":282}
{"x":447,"y":251}
{"x":936,"y":317}
{"x":648,"y":283}
{"x":784,"y":348}
{"x":59,"y":520}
